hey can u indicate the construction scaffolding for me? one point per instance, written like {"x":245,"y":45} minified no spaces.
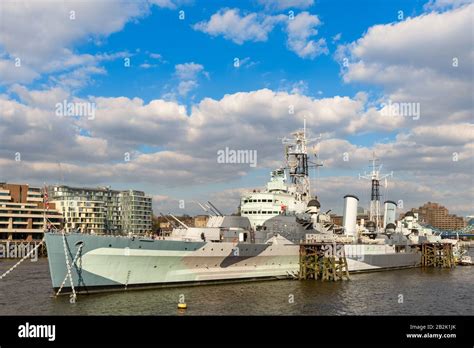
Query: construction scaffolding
{"x":324,"y":261}
{"x":437,"y":255}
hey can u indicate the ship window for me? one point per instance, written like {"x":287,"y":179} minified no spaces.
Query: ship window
{"x":259,"y":200}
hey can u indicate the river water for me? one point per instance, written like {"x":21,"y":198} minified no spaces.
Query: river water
{"x":27,"y":291}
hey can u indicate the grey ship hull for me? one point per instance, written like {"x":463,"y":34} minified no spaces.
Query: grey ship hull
{"x":120,"y":263}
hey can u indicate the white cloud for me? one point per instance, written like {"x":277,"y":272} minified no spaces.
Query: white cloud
{"x":44,"y":99}
{"x":184,"y":87}
{"x":230,"y":24}
{"x":184,"y":145}
{"x":188,"y":75}
{"x":11,"y":73}
{"x":300,"y":87}
{"x":457,"y":134}
{"x":301,"y":31}
{"x":336,"y":37}
{"x":438,"y":5}
{"x":147,"y":65}
{"x":44,"y":41}
{"x":50,"y":137}
{"x":156,"y":56}
{"x":188,"y":71}
{"x":284,"y":4}
{"x":247,"y":62}
{"x":170,"y":4}
{"x":425,"y":59}
{"x":127,"y":123}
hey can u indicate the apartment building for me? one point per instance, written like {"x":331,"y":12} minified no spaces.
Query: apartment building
{"x":103,"y":210}
{"x":438,"y":216}
{"x":22,"y":213}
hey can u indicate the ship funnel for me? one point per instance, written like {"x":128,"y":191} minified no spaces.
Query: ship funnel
{"x":389,"y":215}
{"x":349,"y":219}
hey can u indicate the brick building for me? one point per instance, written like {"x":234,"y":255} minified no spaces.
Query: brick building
{"x":438,"y":216}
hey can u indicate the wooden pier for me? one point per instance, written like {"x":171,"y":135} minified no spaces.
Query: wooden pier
{"x":438,"y":255}
{"x":324,"y":261}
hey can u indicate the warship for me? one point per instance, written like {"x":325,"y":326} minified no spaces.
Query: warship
{"x":262,"y":243}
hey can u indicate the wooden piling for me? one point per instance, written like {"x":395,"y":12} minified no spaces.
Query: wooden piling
{"x":438,"y":255}
{"x":324,"y":261}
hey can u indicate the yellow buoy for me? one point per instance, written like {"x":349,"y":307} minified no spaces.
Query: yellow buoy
{"x":182,"y":306}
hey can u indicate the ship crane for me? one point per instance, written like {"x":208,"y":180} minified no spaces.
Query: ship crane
{"x":375,"y":176}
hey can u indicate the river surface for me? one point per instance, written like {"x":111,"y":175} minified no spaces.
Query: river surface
{"x":27,"y":291}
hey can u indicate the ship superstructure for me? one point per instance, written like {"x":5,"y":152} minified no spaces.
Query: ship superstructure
{"x":289,"y":188}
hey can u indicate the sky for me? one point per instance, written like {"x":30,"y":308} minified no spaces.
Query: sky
{"x":144,"y":94}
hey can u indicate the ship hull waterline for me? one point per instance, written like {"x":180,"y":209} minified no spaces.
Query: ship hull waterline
{"x":107,"y":263}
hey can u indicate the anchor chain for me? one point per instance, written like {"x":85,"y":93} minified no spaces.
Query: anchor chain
{"x":22,"y":259}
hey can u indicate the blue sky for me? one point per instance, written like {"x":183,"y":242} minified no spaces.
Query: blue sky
{"x":177,"y":42}
{"x":182,"y":99}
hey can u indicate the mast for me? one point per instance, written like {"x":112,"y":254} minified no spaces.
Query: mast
{"x":375,"y":176}
{"x":296,"y":160}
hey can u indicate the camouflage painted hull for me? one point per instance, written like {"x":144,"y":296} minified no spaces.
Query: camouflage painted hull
{"x":109,"y":262}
